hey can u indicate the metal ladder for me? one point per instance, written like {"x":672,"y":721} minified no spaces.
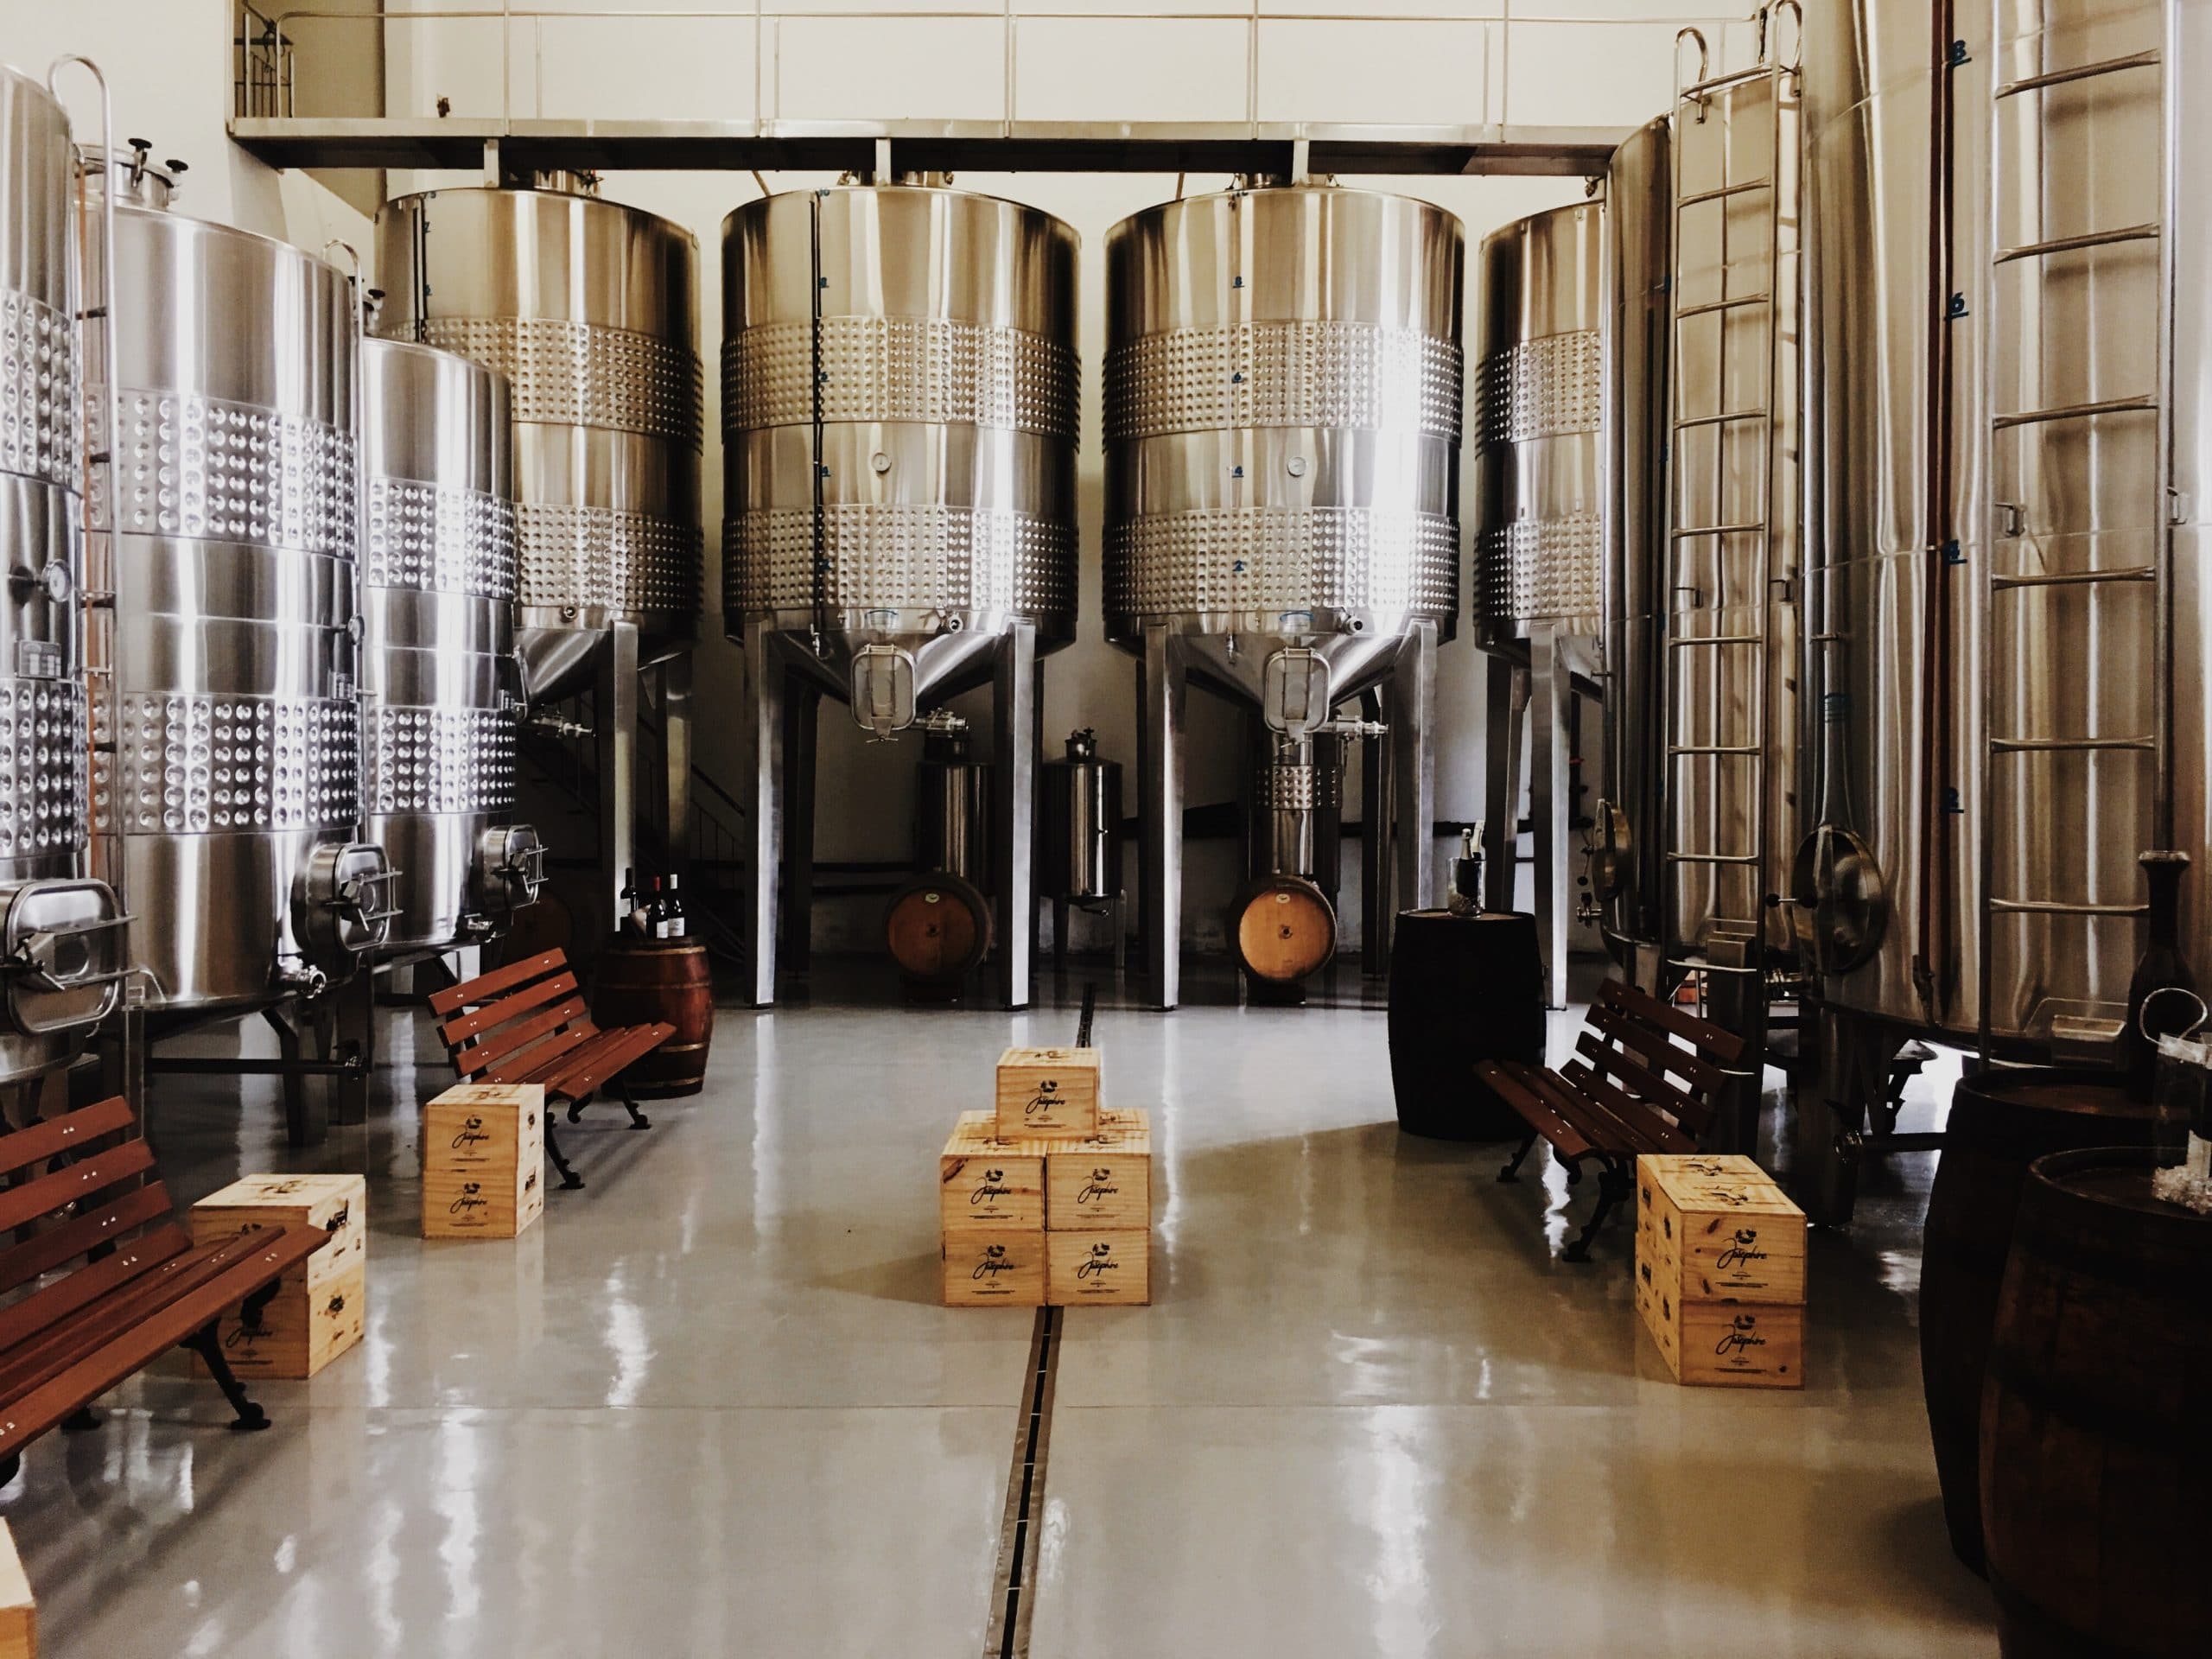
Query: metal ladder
{"x":1692,"y":103}
{"x":2002,"y":730}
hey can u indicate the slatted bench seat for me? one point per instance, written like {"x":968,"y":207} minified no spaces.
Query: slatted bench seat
{"x":527,"y":1022}
{"x":138,"y":1288}
{"x":1645,"y":1078}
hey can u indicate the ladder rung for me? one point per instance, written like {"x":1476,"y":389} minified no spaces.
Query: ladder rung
{"x":2073,"y":243}
{"x":2067,"y":745}
{"x":1723,"y":193}
{"x":2059,"y":907}
{"x":1713,"y":748}
{"x":1718,"y":640}
{"x":2076,"y":578}
{"x":1695,"y":530}
{"x":1713,"y":858}
{"x":2075,"y":411}
{"x":2147,"y":60}
{"x":1720,"y":420}
{"x":1723,"y":305}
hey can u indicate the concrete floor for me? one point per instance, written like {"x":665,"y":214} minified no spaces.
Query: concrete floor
{"x":710,"y":1407}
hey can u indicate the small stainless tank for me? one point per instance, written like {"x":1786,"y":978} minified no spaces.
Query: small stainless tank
{"x":236,"y":784}
{"x":590,"y":310}
{"x":441,"y":688}
{"x":952,"y":808}
{"x":1083,"y":825}
{"x":58,"y":938}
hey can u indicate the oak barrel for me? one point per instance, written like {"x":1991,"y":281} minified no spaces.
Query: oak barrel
{"x":1283,"y":928}
{"x":2001,"y":1121}
{"x":636,"y":981}
{"x":1462,"y":989}
{"x":2096,"y":1475}
{"x":937,"y":927}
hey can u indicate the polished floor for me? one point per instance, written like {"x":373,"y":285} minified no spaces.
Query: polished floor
{"x":711,"y":1408}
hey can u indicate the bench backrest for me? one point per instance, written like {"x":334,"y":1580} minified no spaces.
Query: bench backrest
{"x":108,"y":1188}
{"x":514,"y":1019}
{"x":1638,"y":1052}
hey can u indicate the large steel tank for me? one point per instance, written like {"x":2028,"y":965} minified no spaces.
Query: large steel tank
{"x":1283,"y":409}
{"x":234,"y":525}
{"x":590,"y":310}
{"x":900,"y":405}
{"x":58,"y":943}
{"x":2007,"y":308}
{"x":901,"y":394}
{"x":441,"y":687}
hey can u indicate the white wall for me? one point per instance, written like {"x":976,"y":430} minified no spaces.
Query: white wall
{"x":1555,"y":62}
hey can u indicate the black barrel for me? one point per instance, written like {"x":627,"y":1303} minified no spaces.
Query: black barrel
{"x":1462,"y":989}
{"x":2001,"y":1122}
{"x":2096,"y":1475}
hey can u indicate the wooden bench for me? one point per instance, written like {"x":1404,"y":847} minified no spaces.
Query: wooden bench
{"x":527,"y":1022}
{"x":139,"y":1287}
{"x":1645,"y":1078}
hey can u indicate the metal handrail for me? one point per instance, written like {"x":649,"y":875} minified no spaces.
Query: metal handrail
{"x":277,"y":43}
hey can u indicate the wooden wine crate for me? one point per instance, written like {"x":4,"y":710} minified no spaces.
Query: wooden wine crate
{"x":484,"y":1160}
{"x":988,"y":1183}
{"x":1726,"y":1345}
{"x":1099,"y":1269}
{"x":1103,"y":1184}
{"x":320,"y":1307}
{"x":18,"y":1613}
{"x":1048,"y":1091}
{"x":995,"y":1267}
{"x":1709,"y":1227}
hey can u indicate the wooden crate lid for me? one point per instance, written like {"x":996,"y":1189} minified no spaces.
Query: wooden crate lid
{"x":494,"y":1096}
{"x":312,"y":1199}
{"x":1700,"y":1180}
{"x":1122,"y":1128}
{"x":1051,"y":1059}
{"x":976,"y":1135}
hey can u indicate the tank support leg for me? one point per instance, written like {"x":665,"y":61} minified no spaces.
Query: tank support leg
{"x":1551,"y":802}
{"x":802,"y":739}
{"x":616,"y":718}
{"x":1413,"y":763}
{"x":1375,"y":854}
{"x":676,"y":736}
{"x":766,"y":687}
{"x":1017,"y":734}
{"x":1503,"y":694}
{"x":1329,"y":819}
{"x":1161,"y":689}
{"x":352,"y":1032}
{"x":306,"y":1122}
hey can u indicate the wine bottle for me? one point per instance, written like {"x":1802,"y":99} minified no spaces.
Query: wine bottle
{"x":2160,"y":966}
{"x":672,"y":919}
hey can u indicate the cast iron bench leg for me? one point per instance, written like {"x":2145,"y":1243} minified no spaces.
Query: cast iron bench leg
{"x":637,"y":1119}
{"x":82,"y":1420}
{"x":570,"y":1179}
{"x":1512,"y":1171}
{"x":1614,"y":1185}
{"x":10,"y":1466}
{"x":205,"y":1343}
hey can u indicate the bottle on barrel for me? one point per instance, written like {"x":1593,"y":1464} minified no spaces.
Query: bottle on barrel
{"x":1466,"y":898}
{"x":2160,"y":968}
{"x":672,"y":922}
{"x":633,"y":904}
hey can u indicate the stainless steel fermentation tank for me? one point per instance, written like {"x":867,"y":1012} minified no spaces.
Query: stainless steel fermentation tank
{"x":1282,"y":404}
{"x":229,"y":805}
{"x":441,"y":687}
{"x":1540,"y":544}
{"x":590,"y":311}
{"x":899,"y":413}
{"x":60,"y":937}
{"x":2008,"y":304}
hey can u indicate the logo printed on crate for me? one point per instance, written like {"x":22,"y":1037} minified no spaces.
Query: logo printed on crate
{"x":1743,"y":1252}
{"x":471,"y":1199}
{"x":473,"y":1134}
{"x":1099,"y":1263}
{"x":993,"y":1264}
{"x":243,"y":1341}
{"x":991,"y":1186}
{"x":1743,"y":1333}
{"x":1046,"y":1098}
{"x":1100,"y":1186}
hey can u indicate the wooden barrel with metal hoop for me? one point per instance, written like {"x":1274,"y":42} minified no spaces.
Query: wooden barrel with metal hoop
{"x":2094,"y":1482}
{"x":2000,"y":1122}
{"x":938,"y":928}
{"x":1283,"y":928}
{"x":638,"y":982}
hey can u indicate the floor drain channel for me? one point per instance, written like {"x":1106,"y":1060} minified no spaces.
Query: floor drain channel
{"x":1006,"y":1635}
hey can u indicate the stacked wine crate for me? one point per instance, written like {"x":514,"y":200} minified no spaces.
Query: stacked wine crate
{"x":1047,"y":1197}
{"x":484,"y":1160}
{"x":321,"y":1307}
{"x":1720,"y":1271}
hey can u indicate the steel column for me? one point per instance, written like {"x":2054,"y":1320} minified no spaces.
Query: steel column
{"x":1161,"y":675}
{"x":1017,"y":733}
{"x":1551,"y":801}
{"x":616,"y":734}
{"x":677,"y":740}
{"x":766,"y":689}
{"x":1412,"y":704}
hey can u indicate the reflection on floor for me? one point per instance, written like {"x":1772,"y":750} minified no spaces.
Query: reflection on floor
{"x":710,"y":1407}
